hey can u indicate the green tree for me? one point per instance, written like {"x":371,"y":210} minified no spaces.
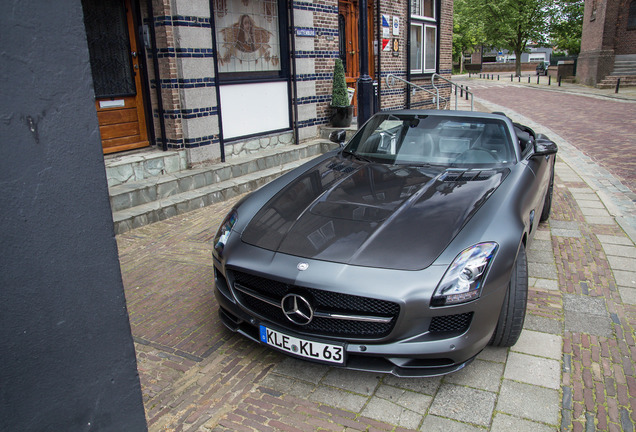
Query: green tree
{"x":511,"y":24}
{"x":467,"y":32}
{"x":566,"y":25}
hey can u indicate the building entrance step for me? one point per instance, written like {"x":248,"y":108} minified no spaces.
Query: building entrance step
{"x":142,"y":202}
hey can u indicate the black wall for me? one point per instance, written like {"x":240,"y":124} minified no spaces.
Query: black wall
{"x":67,"y":359}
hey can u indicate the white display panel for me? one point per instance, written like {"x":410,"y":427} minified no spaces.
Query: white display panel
{"x":248,"y":109}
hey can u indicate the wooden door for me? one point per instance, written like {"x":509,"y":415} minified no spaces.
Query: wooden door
{"x":115,"y":64}
{"x":348,"y":21}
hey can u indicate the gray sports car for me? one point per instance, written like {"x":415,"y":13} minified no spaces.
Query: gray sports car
{"x":403,"y":252}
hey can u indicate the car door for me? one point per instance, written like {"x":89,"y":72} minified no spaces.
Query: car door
{"x":540,"y":166}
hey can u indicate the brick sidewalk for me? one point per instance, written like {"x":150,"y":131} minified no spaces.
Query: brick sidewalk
{"x":572,"y":369}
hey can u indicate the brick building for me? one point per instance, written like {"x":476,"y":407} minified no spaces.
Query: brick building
{"x":608,"y":43}
{"x":212,"y":79}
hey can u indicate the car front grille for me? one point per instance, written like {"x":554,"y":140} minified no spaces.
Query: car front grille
{"x":357,"y":317}
{"x":451,"y":323}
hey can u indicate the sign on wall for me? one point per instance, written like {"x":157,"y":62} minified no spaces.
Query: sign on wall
{"x":396,"y":26}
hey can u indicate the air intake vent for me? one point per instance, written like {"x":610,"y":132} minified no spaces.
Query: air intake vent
{"x":347,"y":169}
{"x":451,"y":323}
{"x":466,"y":176}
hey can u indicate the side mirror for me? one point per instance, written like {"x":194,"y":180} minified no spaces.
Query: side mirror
{"x":543,"y":146}
{"x":338,"y":137}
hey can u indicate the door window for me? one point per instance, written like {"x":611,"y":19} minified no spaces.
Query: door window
{"x":109,"y":48}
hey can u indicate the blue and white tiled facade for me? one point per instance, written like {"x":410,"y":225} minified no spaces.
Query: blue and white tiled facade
{"x":184,"y":50}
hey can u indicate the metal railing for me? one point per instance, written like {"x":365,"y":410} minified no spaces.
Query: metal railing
{"x":456,"y":87}
{"x":390,"y":80}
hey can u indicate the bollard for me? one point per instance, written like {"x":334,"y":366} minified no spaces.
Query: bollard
{"x":497,"y":77}
{"x":519,"y":78}
{"x":511,"y":77}
{"x":528,"y":79}
{"x":461,"y":91}
{"x":466,"y":92}
{"x":549,"y":79}
{"x":538,"y":79}
{"x":618,"y":84}
{"x":559,"y":80}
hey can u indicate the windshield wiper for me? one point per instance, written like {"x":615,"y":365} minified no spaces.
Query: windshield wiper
{"x":356,"y":155}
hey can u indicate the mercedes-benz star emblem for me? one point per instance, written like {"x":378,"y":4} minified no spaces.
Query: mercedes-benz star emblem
{"x":297,"y":309}
{"x":302,"y":266}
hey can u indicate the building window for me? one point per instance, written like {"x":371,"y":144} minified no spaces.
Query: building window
{"x":631,"y":17}
{"x":423,"y":8}
{"x":423,"y":30}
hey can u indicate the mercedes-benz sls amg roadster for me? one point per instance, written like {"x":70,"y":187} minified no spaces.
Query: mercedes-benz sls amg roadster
{"x":403,"y":251}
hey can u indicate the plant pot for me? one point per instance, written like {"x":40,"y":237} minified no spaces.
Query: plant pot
{"x":341,"y":116}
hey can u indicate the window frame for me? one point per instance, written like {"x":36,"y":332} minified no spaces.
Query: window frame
{"x":424,"y":17}
{"x":631,"y":15}
{"x":424,"y":26}
{"x":247,"y":77}
{"x":424,"y":23}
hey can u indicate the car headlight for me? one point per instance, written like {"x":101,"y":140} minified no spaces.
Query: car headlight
{"x":463,"y":279}
{"x":220,"y":239}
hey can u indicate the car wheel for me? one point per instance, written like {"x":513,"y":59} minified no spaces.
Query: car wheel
{"x":547,"y":204}
{"x":513,"y":310}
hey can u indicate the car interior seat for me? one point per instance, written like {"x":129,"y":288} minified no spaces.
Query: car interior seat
{"x":417,"y":143}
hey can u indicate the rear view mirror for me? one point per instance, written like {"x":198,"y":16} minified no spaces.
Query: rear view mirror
{"x":338,"y":137}
{"x":544,"y":146}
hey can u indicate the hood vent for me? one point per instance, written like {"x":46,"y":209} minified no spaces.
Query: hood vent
{"x":347,"y":169}
{"x":466,"y":176}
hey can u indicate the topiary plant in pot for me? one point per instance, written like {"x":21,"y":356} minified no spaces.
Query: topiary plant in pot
{"x":342,"y":110}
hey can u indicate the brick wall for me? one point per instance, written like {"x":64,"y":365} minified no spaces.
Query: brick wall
{"x":314,"y":62}
{"x":166,"y":58}
{"x":625,"y":39}
{"x":605,"y":35}
{"x":394,"y":97}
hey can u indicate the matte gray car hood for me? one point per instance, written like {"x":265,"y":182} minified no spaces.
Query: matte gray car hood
{"x":368,"y":214}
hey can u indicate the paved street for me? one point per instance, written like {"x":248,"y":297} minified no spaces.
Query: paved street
{"x":572,"y":369}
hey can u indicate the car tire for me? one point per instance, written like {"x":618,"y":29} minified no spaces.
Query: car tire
{"x":547,"y":204}
{"x":513,"y":310}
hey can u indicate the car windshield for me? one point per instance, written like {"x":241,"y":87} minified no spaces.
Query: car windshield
{"x":410,"y":139}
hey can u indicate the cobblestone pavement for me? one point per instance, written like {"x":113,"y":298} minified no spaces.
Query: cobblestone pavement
{"x":572,"y":369}
{"x":602,"y":127}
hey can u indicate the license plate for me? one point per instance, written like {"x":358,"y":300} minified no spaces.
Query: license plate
{"x":304,"y":348}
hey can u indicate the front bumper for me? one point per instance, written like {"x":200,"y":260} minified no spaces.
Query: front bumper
{"x":415,"y":345}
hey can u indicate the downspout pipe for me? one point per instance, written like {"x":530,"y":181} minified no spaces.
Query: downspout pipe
{"x":365,"y":83}
{"x":293,"y":72}
{"x":378,"y":76}
{"x":408,"y":53}
{"x":216,"y":81}
{"x":155,"y":64}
